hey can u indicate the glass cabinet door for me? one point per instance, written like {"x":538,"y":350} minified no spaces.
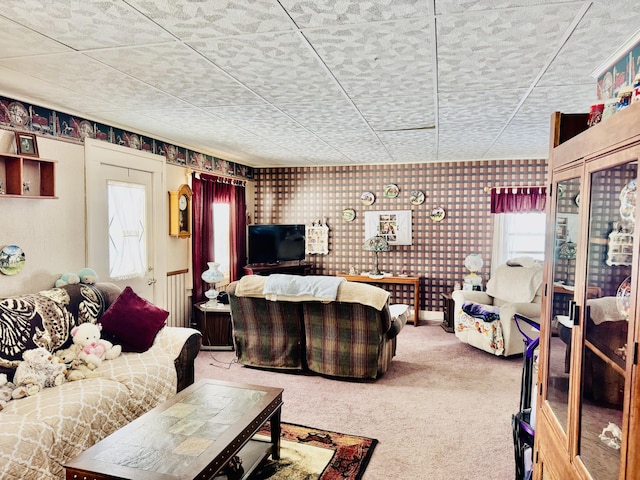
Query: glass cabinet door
{"x":566,"y":231}
{"x":605,"y":317}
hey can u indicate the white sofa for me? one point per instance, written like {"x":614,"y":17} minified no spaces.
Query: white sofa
{"x":40,"y":433}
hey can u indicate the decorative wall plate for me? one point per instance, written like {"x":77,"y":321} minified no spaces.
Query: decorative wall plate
{"x":367,"y":198}
{"x":391,"y":190}
{"x":12,"y":260}
{"x":437,"y":214}
{"x":348,"y":214}
{"x":417,"y":197}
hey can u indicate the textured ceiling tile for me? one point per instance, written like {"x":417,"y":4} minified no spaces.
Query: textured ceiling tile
{"x":89,"y":77}
{"x":18,"y":41}
{"x":530,"y":127}
{"x":192,"y":20}
{"x":494,"y":49}
{"x":392,"y":113}
{"x":280,"y":67}
{"x":410,"y":147}
{"x":179,"y":71}
{"x":580,"y":56}
{"x":317,"y":13}
{"x":389,"y":58}
{"x":459,"y":6}
{"x":264,"y":120}
{"x":326,"y":118}
{"x":85,"y":24}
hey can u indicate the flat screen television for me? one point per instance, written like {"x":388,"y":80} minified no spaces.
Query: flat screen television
{"x":276,"y":243}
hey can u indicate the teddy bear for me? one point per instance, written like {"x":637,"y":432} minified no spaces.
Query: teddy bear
{"x":6,"y":390}
{"x":37,"y":370}
{"x":76,"y":368}
{"x":67,"y":279}
{"x":93,"y":348}
{"x":88,"y":276}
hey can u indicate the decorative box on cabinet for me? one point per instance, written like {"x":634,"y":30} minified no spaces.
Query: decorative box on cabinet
{"x":27,"y":177}
{"x":587,"y":410}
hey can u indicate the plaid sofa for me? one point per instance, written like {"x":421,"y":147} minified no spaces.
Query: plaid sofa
{"x":349,"y":339}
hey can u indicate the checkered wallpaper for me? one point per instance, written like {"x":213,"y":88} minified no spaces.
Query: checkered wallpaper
{"x":306,"y":195}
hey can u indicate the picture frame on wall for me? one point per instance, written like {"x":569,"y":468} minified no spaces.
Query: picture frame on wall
{"x":393,"y":225}
{"x":26,"y":144}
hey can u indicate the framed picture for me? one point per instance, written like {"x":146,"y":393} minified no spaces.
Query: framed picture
{"x":26,"y":144}
{"x":393,"y":225}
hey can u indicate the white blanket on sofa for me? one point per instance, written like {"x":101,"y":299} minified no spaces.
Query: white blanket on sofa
{"x":318,"y":286}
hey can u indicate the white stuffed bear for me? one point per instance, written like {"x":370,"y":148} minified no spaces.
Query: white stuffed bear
{"x":6,"y":390}
{"x":76,"y":368}
{"x":37,"y":370}
{"x":94,"y":349}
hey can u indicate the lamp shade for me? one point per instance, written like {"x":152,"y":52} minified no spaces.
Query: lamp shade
{"x":377,"y":243}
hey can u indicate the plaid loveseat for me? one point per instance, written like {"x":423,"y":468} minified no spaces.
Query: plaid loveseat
{"x":353,"y":336}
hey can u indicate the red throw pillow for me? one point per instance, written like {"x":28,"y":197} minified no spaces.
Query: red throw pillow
{"x":132,"y":321}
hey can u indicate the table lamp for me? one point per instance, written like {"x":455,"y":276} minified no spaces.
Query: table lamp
{"x":212,"y":276}
{"x":376,"y":244}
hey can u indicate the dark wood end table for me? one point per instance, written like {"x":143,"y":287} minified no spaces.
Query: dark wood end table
{"x":448,"y":323}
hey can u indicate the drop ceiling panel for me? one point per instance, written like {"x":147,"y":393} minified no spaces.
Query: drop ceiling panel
{"x":389,"y":58}
{"x":86,"y":24}
{"x":177,"y":70}
{"x":18,"y":41}
{"x":280,"y":67}
{"x":317,"y":82}
{"x":319,"y":13}
{"x":499,"y":48}
{"x":397,"y":112}
{"x":193,"y":20}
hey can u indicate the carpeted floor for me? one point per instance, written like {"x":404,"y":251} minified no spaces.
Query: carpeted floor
{"x":441,"y":412}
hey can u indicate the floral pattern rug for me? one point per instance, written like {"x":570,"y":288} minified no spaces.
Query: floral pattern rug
{"x":310,"y":454}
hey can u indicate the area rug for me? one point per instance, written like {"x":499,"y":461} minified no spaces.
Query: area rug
{"x":310,"y":454}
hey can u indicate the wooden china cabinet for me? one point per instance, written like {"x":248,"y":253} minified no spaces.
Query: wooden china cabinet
{"x":588,"y":407}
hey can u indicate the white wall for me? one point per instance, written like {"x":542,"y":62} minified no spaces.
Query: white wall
{"x":49,"y":231}
{"x":178,"y":249}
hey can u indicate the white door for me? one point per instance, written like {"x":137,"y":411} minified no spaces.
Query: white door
{"x":112,"y":167}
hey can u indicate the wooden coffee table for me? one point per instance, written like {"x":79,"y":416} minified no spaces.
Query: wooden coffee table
{"x":192,"y":435}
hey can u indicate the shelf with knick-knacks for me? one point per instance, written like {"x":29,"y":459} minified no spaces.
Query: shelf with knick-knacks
{"x":26,"y":176}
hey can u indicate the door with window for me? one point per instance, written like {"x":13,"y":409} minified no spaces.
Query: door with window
{"x":125,"y":218}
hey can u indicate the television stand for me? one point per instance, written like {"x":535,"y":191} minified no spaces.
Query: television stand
{"x":292,"y":268}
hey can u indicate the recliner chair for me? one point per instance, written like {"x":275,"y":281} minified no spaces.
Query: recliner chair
{"x":485,"y":319}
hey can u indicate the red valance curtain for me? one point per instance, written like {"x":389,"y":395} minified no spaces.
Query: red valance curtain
{"x":207,"y":190}
{"x":518,"y":199}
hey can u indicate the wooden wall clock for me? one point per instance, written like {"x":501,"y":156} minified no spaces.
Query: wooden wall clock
{"x":180,"y":212}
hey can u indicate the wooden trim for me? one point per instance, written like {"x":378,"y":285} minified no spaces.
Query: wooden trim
{"x":177,"y":272}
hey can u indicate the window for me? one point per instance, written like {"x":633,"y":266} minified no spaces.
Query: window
{"x":518,"y":235}
{"x":221,"y":237}
{"x":127,"y":236}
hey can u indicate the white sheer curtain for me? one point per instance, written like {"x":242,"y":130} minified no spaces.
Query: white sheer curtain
{"x":127,"y":244}
{"x":517,"y":235}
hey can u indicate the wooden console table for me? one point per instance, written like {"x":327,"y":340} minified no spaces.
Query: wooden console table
{"x":408,"y":280}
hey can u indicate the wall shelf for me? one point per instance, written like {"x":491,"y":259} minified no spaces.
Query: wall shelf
{"x":27,"y":177}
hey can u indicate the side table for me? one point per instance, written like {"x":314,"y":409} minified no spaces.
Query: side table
{"x":449,"y":312}
{"x":215,"y":326}
{"x":406,"y":280}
